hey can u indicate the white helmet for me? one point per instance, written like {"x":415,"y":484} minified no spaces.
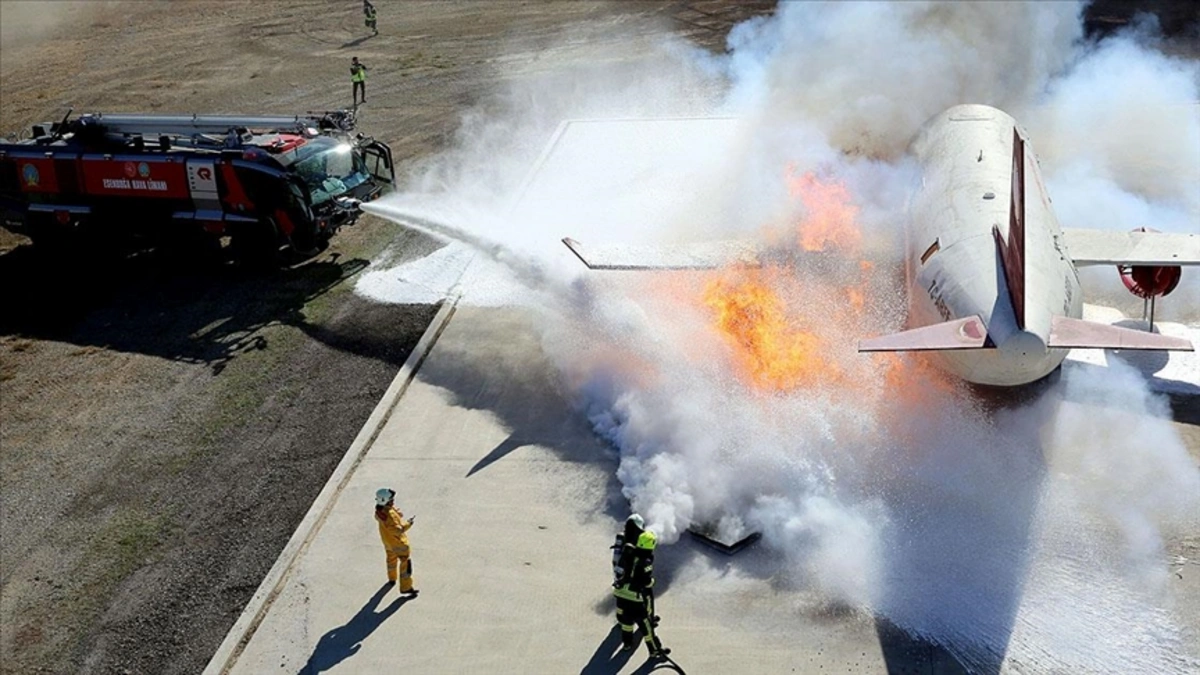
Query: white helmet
{"x":383,"y":496}
{"x":637,"y":520}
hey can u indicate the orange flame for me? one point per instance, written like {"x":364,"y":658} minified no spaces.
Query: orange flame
{"x":773,"y":348}
{"x":830,"y":214}
{"x":753,"y":319}
{"x":792,"y":326}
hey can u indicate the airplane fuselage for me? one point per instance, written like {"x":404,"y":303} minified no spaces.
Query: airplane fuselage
{"x":993,"y":291}
{"x":954,"y":265}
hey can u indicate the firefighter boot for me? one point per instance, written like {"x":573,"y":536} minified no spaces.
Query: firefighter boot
{"x":628,"y":637}
{"x":657,"y":651}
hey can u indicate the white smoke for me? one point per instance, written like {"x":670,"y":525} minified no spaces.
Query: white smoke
{"x":869,"y":74}
{"x":1121,"y":135}
{"x":906,"y":501}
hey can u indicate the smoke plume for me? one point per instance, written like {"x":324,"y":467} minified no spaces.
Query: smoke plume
{"x":1032,"y":533}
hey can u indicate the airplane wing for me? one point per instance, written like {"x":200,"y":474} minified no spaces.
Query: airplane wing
{"x":1107,"y":247}
{"x":696,"y":256}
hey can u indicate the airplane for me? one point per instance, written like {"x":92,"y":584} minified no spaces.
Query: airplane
{"x":992,"y":282}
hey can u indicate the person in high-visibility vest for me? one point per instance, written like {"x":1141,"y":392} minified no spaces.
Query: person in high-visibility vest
{"x":634,"y":592}
{"x":369,"y":11}
{"x":393,"y":530}
{"x":358,"y":75}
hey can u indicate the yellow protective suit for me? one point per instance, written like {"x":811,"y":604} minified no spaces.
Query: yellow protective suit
{"x":392,"y":530}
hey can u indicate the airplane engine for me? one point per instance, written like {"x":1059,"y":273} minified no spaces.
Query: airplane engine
{"x":1150,"y":281}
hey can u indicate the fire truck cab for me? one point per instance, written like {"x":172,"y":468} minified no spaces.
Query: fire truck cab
{"x":265,"y":182}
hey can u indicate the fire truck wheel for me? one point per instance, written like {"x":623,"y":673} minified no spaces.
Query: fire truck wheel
{"x":48,"y":235}
{"x":323,"y":240}
{"x":192,"y":246}
{"x":319,"y":243}
{"x":256,"y":245}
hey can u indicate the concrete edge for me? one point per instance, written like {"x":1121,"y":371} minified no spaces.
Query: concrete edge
{"x":244,"y":628}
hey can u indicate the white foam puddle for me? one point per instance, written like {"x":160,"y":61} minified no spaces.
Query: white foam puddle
{"x":431,"y":279}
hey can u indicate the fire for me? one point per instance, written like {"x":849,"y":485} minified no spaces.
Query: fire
{"x":754,"y":320}
{"x":830,"y":220}
{"x":858,"y":301}
{"x":792,"y":326}
{"x":775,"y":346}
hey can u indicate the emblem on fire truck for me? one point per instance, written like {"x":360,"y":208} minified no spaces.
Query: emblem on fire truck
{"x":30,"y":173}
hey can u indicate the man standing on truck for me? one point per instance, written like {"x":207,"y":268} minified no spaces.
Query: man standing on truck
{"x":358,"y":76}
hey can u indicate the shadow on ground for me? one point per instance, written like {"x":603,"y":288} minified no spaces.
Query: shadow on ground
{"x":525,"y":394}
{"x":608,"y":658}
{"x":342,"y":642}
{"x":183,"y":310}
{"x":226,"y":459}
{"x":355,"y":42}
{"x":906,"y":654}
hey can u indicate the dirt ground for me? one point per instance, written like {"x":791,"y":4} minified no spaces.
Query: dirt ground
{"x":163,"y":428}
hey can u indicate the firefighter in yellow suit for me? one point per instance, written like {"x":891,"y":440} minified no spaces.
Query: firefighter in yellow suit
{"x":393,"y":530}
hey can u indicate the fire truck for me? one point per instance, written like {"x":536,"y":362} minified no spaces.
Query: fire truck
{"x":266,"y":183}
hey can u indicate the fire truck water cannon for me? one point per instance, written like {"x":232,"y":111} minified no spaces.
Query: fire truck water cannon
{"x":268,"y":183}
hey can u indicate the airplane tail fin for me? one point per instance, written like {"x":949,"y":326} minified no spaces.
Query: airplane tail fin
{"x":1012,"y":251}
{"x":1068,"y":333}
{"x":968,"y":333}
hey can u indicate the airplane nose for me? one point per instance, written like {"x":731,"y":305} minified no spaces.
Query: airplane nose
{"x":1024,"y":344}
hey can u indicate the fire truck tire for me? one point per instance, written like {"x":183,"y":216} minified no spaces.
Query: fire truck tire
{"x":320,"y":242}
{"x":307,"y":243}
{"x":323,"y":240}
{"x":193,"y":245}
{"x":256,"y":245}
{"x":46,"y":234}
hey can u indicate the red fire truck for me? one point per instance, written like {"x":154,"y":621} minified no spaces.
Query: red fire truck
{"x":267,"y":183}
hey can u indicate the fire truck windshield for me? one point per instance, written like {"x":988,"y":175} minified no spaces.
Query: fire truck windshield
{"x":329,"y":168}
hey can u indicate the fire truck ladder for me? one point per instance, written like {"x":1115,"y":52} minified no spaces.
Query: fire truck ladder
{"x":233,"y":128}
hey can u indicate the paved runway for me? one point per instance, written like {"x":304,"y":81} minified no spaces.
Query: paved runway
{"x":516,"y":505}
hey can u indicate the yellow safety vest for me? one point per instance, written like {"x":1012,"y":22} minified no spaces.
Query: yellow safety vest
{"x":359,"y":74}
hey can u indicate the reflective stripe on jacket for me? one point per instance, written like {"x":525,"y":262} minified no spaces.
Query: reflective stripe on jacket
{"x":625,"y":593}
